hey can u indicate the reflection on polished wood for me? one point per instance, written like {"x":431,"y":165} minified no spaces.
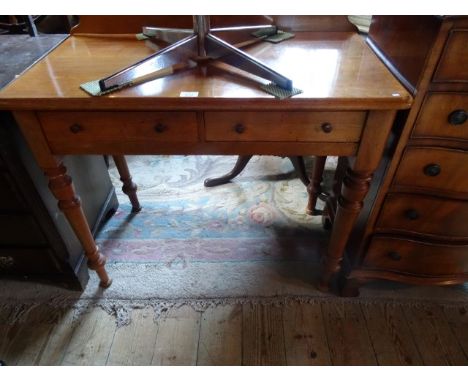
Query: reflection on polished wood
{"x":333,"y":68}
{"x":347,"y":108}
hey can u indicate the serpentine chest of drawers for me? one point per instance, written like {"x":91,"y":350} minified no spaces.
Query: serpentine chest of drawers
{"x":417,"y":229}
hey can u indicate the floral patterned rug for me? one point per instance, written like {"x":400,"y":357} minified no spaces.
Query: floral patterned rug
{"x":259,"y":216}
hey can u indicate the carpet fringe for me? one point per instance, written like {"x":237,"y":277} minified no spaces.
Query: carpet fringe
{"x":13,"y":313}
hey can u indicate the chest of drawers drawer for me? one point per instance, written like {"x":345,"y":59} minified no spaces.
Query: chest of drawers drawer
{"x":434,"y":168}
{"x":90,"y":128}
{"x":284,"y":126}
{"x":416,"y":257}
{"x":443,"y":115}
{"x":453,"y":66}
{"x":415,"y":213}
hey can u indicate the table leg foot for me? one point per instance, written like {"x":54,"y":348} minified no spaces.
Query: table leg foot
{"x":350,"y":287}
{"x":241,"y":162}
{"x":105,"y":285}
{"x":129,"y":188}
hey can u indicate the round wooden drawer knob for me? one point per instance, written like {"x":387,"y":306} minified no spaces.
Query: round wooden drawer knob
{"x":75,"y":128}
{"x":412,"y":214}
{"x":458,"y":117}
{"x":327,"y":127}
{"x":394,"y":256}
{"x":239,"y":128}
{"x":432,"y":169}
{"x":160,"y":128}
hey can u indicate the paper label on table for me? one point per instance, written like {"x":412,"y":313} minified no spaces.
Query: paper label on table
{"x":189,"y":94}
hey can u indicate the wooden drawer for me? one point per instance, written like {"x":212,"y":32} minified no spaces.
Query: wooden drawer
{"x":10,"y":197}
{"x":453,"y":66}
{"x":434,"y":168}
{"x":424,"y":214}
{"x":91,"y":128}
{"x":416,"y":257}
{"x":28,"y":261}
{"x":443,"y":115}
{"x":284,"y":126}
{"x":20,"y":230}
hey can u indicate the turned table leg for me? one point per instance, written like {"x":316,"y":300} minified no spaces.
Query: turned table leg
{"x":313,"y":187}
{"x":69,"y":203}
{"x":62,"y":188}
{"x":129,"y":188}
{"x":355,"y":186}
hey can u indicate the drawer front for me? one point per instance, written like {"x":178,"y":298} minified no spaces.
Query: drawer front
{"x":90,"y":128}
{"x":453,"y":63}
{"x":284,"y":126}
{"x":10,"y":197}
{"x":416,"y":257}
{"x":444,"y":116}
{"x":434,"y":168}
{"x":20,"y":230}
{"x":424,"y":214}
{"x":28,"y":261}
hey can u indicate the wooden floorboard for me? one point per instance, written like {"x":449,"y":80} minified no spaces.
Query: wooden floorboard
{"x":134,"y":344}
{"x":434,"y":338}
{"x":457,"y":318}
{"x":338,"y":332}
{"x":58,"y":341}
{"x":263,"y":336}
{"x":390,"y":335}
{"x":347,"y":334}
{"x":177,"y":339}
{"x":25,"y":342}
{"x":220,"y":341}
{"x":304,"y":335}
{"x":91,"y":339}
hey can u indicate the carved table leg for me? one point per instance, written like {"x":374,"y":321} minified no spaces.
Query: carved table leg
{"x":69,"y":203}
{"x":299,"y":166}
{"x":129,"y":188}
{"x":62,"y":188}
{"x":242,"y":161}
{"x":354,"y":189}
{"x":314,"y":188}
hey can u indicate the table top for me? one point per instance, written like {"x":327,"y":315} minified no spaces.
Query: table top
{"x":335,"y":70}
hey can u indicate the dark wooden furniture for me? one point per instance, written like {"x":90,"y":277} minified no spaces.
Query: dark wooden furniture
{"x":340,"y":112}
{"x":417,"y":230}
{"x":36,"y":242}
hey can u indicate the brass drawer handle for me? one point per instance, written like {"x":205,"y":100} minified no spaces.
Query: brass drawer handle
{"x":239,"y":128}
{"x":412,"y":214}
{"x":327,"y":127}
{"x":6,"y":262}
{"x":160,"y":128}
{"x":394,"y":256}
{"x":458,"y":117}
{"x":432,"y":169}
{"x":76,"y":128}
